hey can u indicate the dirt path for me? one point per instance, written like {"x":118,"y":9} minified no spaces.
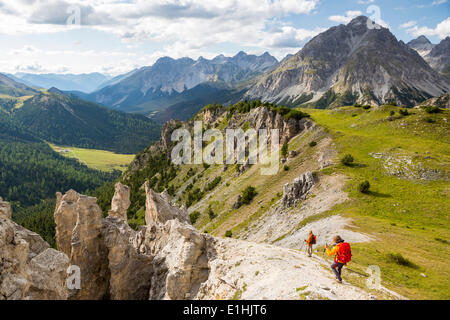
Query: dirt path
{"x":247,"y":270}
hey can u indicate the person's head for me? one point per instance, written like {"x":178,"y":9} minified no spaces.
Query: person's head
{"x":337,"y":239}
{"x":310,"y":232}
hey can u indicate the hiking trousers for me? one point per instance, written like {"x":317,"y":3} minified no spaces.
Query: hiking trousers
{"x":337,"y":269}
{"x":309,"y":250}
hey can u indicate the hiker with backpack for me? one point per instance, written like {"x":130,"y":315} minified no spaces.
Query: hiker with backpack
{"x":342,"y":255}
{"x":310,"y":242}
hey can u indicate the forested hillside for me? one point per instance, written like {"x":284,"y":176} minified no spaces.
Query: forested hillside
{"x":66,"y":120}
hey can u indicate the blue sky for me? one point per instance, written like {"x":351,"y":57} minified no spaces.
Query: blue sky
{"x":115,"y":36}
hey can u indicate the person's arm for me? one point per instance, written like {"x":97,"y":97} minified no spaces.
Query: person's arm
{"x":333,"y":251}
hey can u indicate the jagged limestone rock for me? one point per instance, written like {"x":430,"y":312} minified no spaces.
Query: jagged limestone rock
{"x":79,"y":233}
{"x":120,"y":202}
{"x":180,"y":262}
{"x":159,"y":209}
{"x":297,"y":191}
{"x":65,"y":219}
{"x":111,"y":257}
{"x":48,"y":272}
{"x":129,"y":267}
{"x":29,"y":269}
{"x":89,"y":251}
{"x":178,"y":250}
{"x":5,"y":209}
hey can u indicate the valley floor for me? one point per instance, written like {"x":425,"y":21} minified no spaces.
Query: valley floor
{"x":96,"y":159}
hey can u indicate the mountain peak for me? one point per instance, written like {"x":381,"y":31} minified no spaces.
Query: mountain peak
{"x":358,"y":21}
{"x":421,"y":40}
{"x":241,"y":54}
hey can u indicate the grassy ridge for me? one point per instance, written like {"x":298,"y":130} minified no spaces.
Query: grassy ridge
{"x":407,"y":216}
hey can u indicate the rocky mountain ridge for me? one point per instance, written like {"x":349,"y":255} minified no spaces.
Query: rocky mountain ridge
{"x":151,"y":88}
{"x":165,"y":259}
{"x":351,"y":64}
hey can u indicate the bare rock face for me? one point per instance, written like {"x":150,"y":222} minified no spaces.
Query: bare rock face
{"x":29,"y":269}
{"x":5,"y":209}
{"x":179,"y":260}
{"x":129,"y":266}
{"x":87,"y":248}
{"x":111,"y":256}
{"x":159,"y":209}
{"x":297,"y":191}
{"x":66,"y":216}
{"x":48,"y":272}
{"x":120,"y":202}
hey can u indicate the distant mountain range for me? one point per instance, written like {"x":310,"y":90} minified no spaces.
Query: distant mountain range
{"x":344,"y":65}
{"x":161,"y":85}
{"x":78,"y":82}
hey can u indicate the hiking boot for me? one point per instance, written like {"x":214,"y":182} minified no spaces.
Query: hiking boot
{"x":339,"y":280}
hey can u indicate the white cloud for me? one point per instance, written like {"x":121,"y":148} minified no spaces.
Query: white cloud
{"x":289,"y":37}
{"x":436,"y":2}
{"x":442,"y":30}
{"x":177,"y":28}
{"x":408,"y":24}
{"x":349,"y":16}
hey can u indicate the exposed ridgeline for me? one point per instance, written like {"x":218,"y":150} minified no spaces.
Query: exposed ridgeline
{"x":154,"y":164}
{"x":13,"y":88}
{"x":439,"y":57}
{"x":165,"y":259}
{"x":350,"y":64}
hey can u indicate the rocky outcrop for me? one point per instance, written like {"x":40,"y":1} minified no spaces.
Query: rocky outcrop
{"x":112,"y":261}
{"x":238,"y":202}
{"x":5,"y":209}
{"x":159,"y":209}
{"x":180,"y":259}
{"x":129,"y":264}
{"x":442,"y":101}
{"x":297,"y":191}
{"x":29,"y":268}
{"x":85,"y":247}
{"x":120,"y":202}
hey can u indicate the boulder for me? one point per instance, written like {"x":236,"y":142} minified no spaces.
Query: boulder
{"x":238,"y":203}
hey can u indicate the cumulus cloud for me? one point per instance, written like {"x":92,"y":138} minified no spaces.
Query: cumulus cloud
{"x":442,"y":29}
{"x":408,"y":24}
{"x":289,"y":37}
{"x":59,"y":12}
{"x":349,"y":16}
{"x":177,"y":28}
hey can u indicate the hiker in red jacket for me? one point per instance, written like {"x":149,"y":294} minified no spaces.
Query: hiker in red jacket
{"x":342,"y":254}
{"x":310,"y":242}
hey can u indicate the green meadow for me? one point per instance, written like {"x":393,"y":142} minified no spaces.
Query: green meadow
{"x":96,"y":159}
{"x":409,"y":217}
